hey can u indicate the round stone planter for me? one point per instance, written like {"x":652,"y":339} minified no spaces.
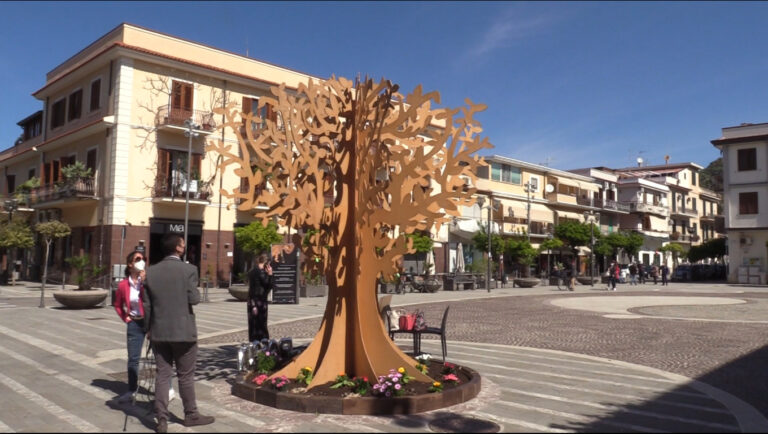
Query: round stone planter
{"x":240,"y":292}
{"x":586,"y":280}
{"x":526,"y":282}
{"x":366,"y":405}
{"x":81,"y":299}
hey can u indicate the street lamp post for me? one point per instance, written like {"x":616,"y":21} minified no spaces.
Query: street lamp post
{"x":191,"y":126}
{"x":11,"y":205}
{"x":528,"y":189}
{"x":596,"y":215}
{"x":480,"y":202}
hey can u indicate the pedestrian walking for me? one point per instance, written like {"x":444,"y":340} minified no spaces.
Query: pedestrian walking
{"x":614,"y":272}
{"x":655,"y":274}
{"x":171,"y":288}
{"x":259,"y":286}
{"x":664,"y":274}
{"x":632,"y":274}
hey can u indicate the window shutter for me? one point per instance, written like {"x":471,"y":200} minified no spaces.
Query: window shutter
{"x":163,"y":168}
{"x":196,"y":159}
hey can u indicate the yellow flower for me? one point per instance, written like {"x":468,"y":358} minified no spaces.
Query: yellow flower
{"x":308,"y":369}
{"x":436,"y":384}
{"x":342,"y":374}
{"x":401,"y":370}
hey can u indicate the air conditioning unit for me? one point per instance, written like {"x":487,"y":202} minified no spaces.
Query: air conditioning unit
{"x":467,"y":181}
{"x":745,"y":241}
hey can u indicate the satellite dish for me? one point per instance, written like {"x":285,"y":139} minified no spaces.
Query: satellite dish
{"x":639,"y":161}
{"x":549,"y":188}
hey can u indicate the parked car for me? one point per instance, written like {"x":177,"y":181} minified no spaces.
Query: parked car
{"x":682,"y":273}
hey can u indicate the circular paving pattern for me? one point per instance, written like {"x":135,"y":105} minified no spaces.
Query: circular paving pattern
{"x":622,"y":307}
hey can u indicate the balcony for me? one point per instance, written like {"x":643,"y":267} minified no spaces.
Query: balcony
{"x":166,"y":190}
{"x":173,"y":118}
{"x":684,"y":212}
{"x":683,"y":238}
{"x":644,"y":207}
{"x":70,"y":191}
{"x":616,"y":206}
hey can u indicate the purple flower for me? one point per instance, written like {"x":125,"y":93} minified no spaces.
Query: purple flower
{"x":388,"y":394}
{"x":394,"y":380}
{"x":398,"y":387}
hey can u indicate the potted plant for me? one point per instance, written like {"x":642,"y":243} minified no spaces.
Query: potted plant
{"x":86,"y":271}
{"x":84,"y":296}
{"x":240,"y":291}
{"x":72,"y":174}
{"x":523,"y":253}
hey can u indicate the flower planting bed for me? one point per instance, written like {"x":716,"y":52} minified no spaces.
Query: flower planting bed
{"x":416,"y":397}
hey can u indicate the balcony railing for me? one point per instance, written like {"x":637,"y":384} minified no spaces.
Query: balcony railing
{"x":684,"y":211}
{"x":73,"y":188}
{"x":612,"y":204}
{"x":644,"y":207}
{"x":174,"y":116}
{"x":198,"y":190}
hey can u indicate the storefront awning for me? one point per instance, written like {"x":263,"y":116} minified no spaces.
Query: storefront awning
{"x":469,"y":227}
{"x":539,"y":212}
{"x":570,"y":215}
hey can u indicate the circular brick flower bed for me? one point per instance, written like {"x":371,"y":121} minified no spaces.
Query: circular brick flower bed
{"x":322,"y":399}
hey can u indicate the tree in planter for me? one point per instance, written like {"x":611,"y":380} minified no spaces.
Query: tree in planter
{"x":15,"y":234}
{"x":422,"y":244}
{"x":675,"y":249}
{"x":50,"y":231}
{"x":480,"y":242}
{"x":548,"y":245}
{"x":256,"y":238}
{"x":521,"y":252}
{"x":86,"y":271}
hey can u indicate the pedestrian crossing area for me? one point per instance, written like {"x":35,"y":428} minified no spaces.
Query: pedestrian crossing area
{"x":4,"y":305}
{"x":67,"y":381}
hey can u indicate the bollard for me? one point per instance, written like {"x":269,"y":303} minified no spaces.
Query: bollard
{"x":205,"y":291}
{"x":63,"y":279}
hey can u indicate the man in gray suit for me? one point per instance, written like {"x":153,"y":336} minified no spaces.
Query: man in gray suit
{"x":171,"y":289}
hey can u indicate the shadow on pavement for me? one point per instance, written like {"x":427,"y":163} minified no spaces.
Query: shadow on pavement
{"x":679,"y":411}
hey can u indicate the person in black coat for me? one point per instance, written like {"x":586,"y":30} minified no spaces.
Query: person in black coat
{"x":259,"y":286}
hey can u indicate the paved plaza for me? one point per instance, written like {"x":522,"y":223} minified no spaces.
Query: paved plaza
{"x":680,"y":358}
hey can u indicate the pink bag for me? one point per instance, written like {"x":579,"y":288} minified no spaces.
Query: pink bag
{"x":406,"y":321}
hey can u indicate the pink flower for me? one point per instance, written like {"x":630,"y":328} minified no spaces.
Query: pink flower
{"x":451,"y":377}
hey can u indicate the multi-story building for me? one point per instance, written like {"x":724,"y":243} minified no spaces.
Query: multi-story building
{"x":120,"y":106}
{"x":745,"y":185}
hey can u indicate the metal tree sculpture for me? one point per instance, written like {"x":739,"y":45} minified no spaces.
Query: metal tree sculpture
{"x":356,"y":165}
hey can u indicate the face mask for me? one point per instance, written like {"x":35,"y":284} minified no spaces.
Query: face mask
{"x":139,"y":265}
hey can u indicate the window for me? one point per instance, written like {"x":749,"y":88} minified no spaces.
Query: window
{"x":31,"y":174}
{"x":251,"y":105}
{"x":694,"y":175}
{"x":10,"y":181}
{"x":75,"y":104}
{"x":58,"y":111}
{"x":747,"y":159}
{"x":748,"y":203}
{"x":534,"y":183}
{"x":90,"y":161}
{"x":505,"y":173}
{"x":181,"y":101}
{"x":96,"y":94}
{"x":33,"y":128}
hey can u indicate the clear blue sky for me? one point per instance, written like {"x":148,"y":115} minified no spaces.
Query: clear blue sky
{"x":567,"y":84}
